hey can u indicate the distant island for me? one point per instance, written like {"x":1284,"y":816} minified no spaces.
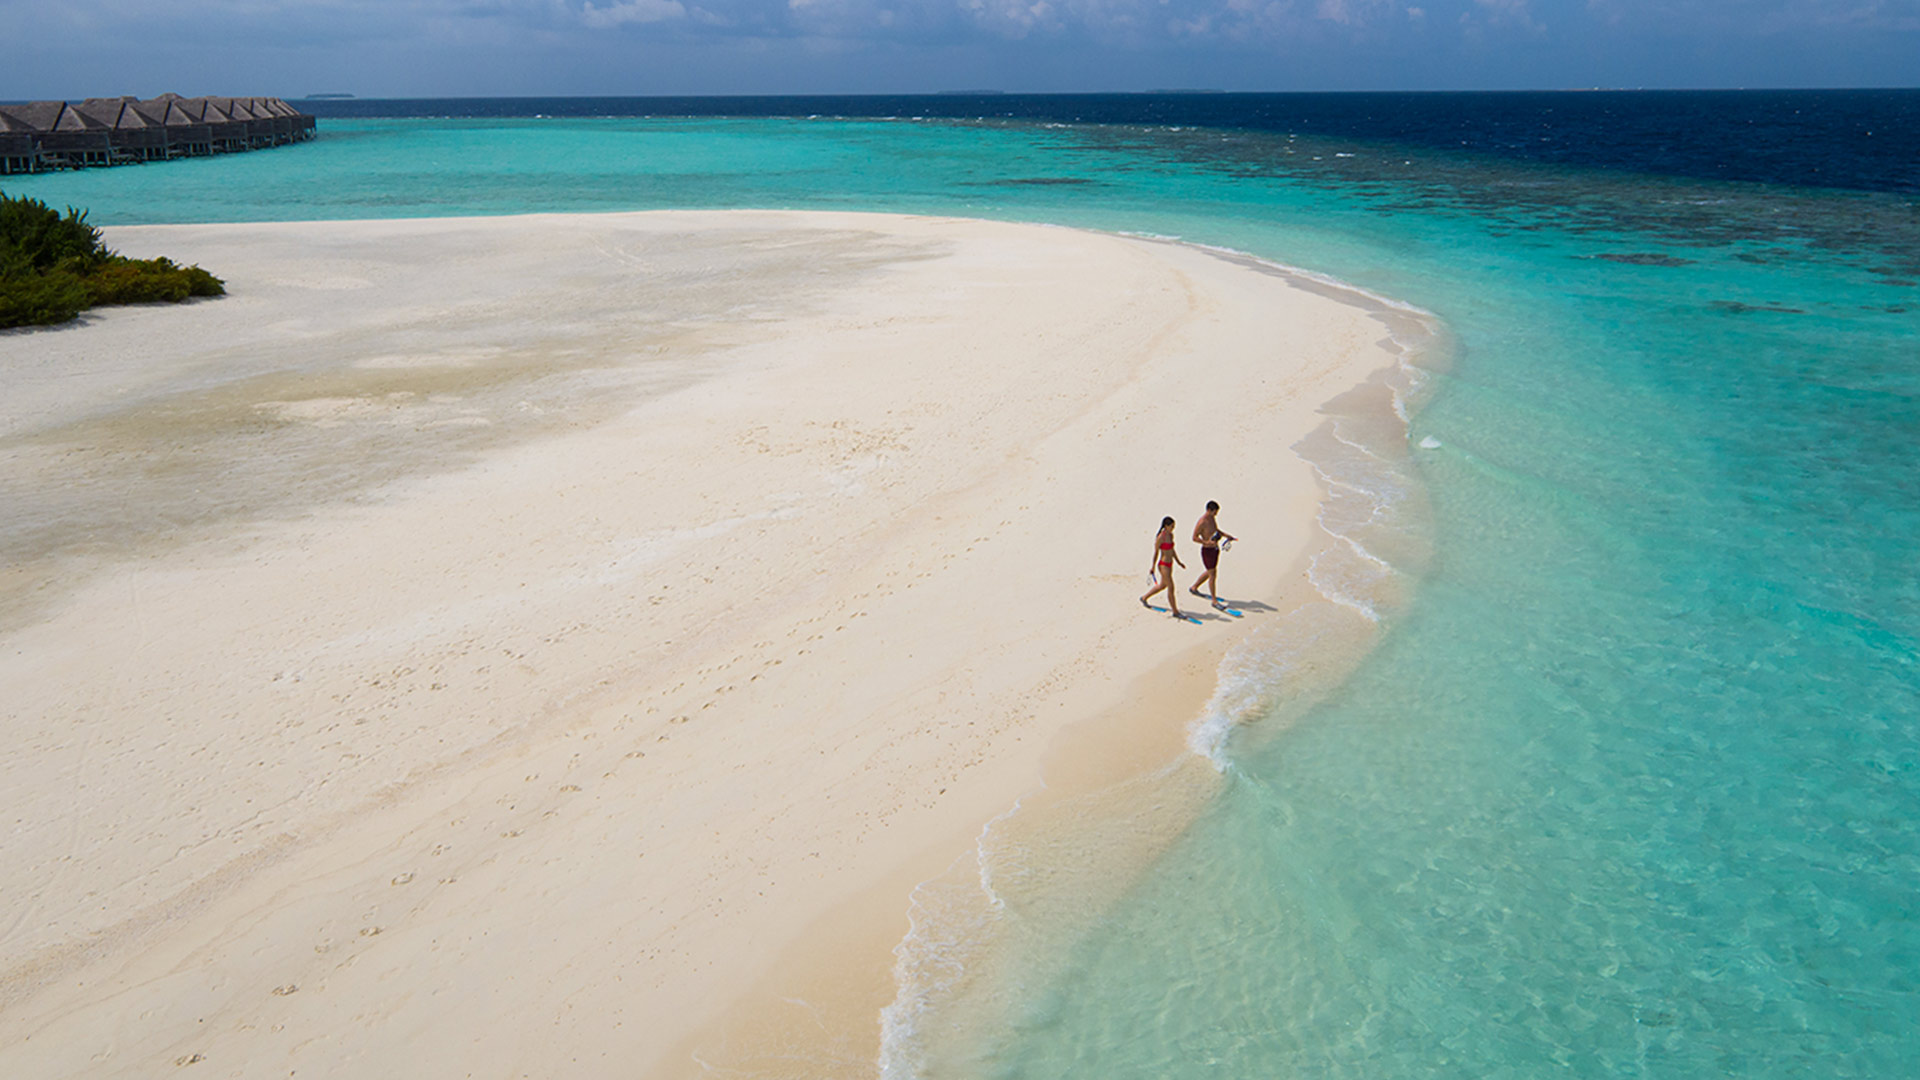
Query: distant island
{"x":328,"y":97}
{"x":969,"y":93}
{"x":1182,"y":90}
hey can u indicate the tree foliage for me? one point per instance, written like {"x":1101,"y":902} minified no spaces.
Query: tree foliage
{"x":53,"y":266}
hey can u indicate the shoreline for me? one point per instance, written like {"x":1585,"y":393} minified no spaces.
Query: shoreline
{"x":795,"y":380}
{"x":1271,"y":673}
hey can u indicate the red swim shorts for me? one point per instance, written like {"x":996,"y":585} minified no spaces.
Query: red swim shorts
{"x":1210,"y":556}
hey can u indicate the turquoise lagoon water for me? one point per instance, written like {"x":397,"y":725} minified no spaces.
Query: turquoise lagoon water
{"x":1631,"y":787}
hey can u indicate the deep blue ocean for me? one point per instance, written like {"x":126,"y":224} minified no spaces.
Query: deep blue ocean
{"x":1862,"y":139}
{"x":1630,"y":786}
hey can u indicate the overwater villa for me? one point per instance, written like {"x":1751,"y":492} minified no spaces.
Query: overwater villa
{"x":125,"y":130}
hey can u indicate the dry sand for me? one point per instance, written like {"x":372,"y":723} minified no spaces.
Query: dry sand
{"x":496,"y":647}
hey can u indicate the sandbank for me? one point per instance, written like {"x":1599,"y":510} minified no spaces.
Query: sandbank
{"x":495,"y":647}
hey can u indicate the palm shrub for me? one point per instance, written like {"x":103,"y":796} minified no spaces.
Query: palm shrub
{"x":129,"y":281}
{"x":53,"y":266}
{"x":33,"y":235}
{"x":41,"y":299}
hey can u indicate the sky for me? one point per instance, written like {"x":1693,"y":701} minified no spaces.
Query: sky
{"x":446,"y":48}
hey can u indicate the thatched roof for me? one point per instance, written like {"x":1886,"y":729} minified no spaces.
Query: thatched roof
{"x":114,"y":112}
{"x":38,"y":115}
{"x":153,"y":112}
{"x":72,"y":119}
{"x":98,"y":111}
{"x":170,"y":110}
{"x":177,"y":115}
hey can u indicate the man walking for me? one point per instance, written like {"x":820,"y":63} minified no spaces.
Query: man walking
{"x":1206,"y":533}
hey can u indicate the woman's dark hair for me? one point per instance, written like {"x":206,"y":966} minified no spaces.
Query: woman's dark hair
{"x":1212,"y":506}
{"x":1165,"y":522}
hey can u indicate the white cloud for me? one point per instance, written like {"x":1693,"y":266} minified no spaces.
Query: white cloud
{"x":1350,"y":12}
{"x":1014,"y":18}
{"x":631,"y":11}
{"x":1302,"y":32}
{"x":1508,"y":13}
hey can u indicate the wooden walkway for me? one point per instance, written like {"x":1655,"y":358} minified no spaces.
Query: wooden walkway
{"x":45,"y":135}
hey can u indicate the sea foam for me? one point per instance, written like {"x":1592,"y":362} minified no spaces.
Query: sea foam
{"x":1036,"y":873}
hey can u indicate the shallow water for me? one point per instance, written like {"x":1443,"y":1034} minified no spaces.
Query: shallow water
{"x":1629,"y":786}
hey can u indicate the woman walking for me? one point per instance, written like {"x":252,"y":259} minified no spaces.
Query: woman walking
{"x":1164,"y":558}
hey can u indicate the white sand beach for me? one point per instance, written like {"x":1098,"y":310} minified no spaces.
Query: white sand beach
{"x":503,"y":647}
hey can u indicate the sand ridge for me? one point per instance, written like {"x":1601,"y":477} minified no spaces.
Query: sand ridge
{"x":550,"y":660}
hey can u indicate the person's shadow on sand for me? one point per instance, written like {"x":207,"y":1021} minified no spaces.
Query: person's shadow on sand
{"x":1199,"y":614}
{"x":1232,"y":607}
{"x":1250,"y":605}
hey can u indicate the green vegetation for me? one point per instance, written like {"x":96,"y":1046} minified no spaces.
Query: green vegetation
{"x":53,"y":267}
